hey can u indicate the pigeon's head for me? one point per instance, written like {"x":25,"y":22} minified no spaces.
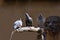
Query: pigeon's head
{"x":40,"y":17}
{"x":52,"y":24}
{"x":26,"y":14}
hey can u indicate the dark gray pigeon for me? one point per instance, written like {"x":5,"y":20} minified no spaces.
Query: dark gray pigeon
{"x":41,"y":20}
{"x":29,"y":20}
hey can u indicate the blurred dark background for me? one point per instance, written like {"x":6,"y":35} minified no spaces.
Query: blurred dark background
{"x":11,"y":10}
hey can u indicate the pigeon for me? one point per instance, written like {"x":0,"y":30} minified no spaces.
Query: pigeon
{"x":29,"y":20}
{"x":17,"y":24}
{"x":41,"y":20}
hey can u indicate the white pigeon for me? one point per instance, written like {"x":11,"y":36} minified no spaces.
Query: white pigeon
{"x":17,"y":24}
{"x":29,"y":20}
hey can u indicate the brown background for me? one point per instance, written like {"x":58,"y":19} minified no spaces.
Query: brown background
{"x":11,"y":12}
